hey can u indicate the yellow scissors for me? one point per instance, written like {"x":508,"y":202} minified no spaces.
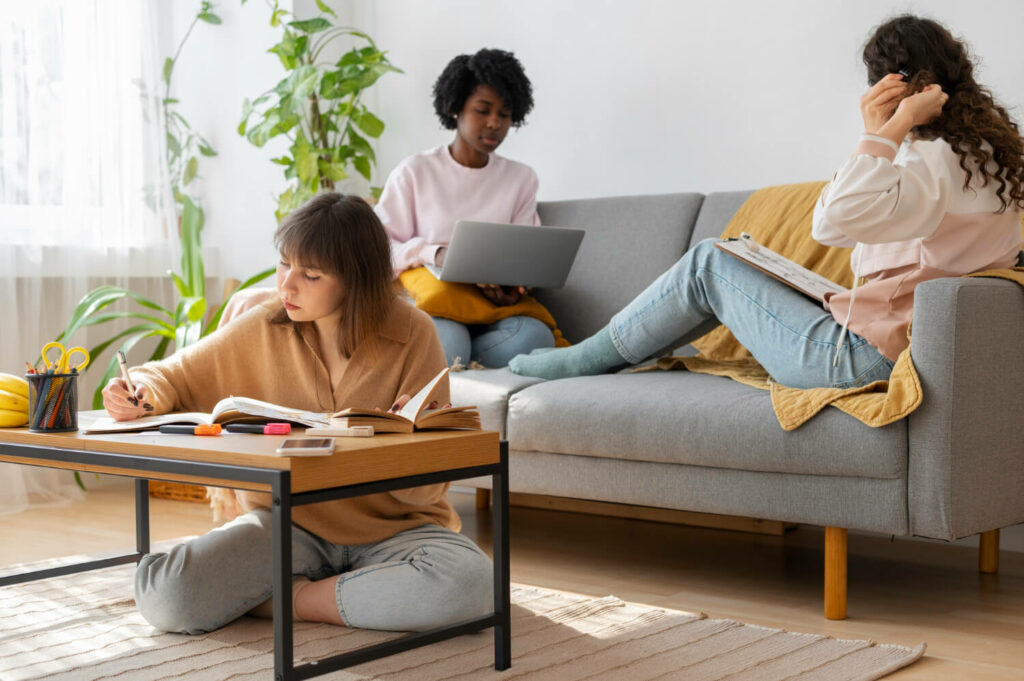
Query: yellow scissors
{"x":64,"y":362}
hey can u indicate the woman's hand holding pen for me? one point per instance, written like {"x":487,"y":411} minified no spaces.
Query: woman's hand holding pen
{"x":122,"y":404}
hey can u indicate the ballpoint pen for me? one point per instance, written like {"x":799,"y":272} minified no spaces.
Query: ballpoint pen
{"x":123,"y":363}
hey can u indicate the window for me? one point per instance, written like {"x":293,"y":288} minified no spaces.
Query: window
{"x":81,"y":154}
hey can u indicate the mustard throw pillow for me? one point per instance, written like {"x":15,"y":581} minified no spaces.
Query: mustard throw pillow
{"x":465,"y":304}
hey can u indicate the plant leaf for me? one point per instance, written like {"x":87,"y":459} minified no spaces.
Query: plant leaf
{"x":194,"y":307}
{"x":191,"y":250}
{"x":111,"y":316}
{"x":305,"y":159}
{"x":168,"y":68}
{"x":209,"y":17}
{"x":172,"y":145}
{"x":149,"y":329}
{"x":206,"y":150}
{"x":369,"y":123}
{"x":161,"y":349}
{"x":190,"y":170}
{"x":310,"y":26}
{"x":180,"y":284}
{"x":92,"y":302}
{"x":325,"y":9}
{"x":362,"y":164}
{"x":332,"y":171}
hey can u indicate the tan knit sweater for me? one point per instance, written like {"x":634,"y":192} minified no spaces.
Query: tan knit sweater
{"x":281,"y":363}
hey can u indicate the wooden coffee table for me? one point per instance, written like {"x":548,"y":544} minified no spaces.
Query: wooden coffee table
{"x":359,"y":466}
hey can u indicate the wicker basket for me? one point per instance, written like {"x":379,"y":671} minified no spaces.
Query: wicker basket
{"x":178,"y":491}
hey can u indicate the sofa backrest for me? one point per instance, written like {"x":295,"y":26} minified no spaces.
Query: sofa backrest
{"x":715,"y":214}
{"x":629,"y":241}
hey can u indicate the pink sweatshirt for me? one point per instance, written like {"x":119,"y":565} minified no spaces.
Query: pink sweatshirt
{"x":906,"y":215}
{"x":428,"y":192}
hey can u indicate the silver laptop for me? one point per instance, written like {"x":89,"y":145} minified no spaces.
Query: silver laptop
{"x":509,"y":255}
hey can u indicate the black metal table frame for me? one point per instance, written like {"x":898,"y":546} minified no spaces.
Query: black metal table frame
{"x":283,"y":502}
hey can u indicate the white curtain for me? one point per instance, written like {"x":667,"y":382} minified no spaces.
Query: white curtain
{"x":84,"y":198}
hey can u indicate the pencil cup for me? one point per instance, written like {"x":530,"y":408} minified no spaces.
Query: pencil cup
{"x":52,"y":402}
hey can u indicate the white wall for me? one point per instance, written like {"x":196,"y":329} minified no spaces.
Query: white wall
{"x":218,"y":68}
{"x":659,"y":95}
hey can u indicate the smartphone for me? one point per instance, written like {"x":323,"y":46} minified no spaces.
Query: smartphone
{"x":308,"y":446}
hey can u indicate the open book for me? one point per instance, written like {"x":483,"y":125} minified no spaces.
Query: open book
{"x":413,"y":416}
{"x":229,"y":410}
{"x":782,"y":268}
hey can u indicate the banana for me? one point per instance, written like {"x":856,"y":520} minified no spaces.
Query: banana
{"x":12,"y":402}
{"x":14,"y":384}
{"x":12,"y":419}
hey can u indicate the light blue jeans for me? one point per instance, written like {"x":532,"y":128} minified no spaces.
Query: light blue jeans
{"x":493,"y":345}
{"x":791,"y":335}
{"x":416,"y":580}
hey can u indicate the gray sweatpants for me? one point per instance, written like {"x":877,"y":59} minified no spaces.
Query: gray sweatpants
{"x":419,"y":579}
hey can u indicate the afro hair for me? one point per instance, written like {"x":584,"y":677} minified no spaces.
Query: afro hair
{"x":496,"y":68}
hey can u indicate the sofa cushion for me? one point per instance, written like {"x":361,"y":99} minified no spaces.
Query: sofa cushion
{"x":629,"y":241}
{"x":489,"y":390}
{"x":680,"y":417}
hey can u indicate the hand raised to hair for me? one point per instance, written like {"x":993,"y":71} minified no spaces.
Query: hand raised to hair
{"x":925,"y":106}
{"x":878,"y":103}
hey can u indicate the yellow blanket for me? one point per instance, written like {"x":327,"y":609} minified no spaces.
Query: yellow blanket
{"x":465,"y":304}
{"x":780,"y":218}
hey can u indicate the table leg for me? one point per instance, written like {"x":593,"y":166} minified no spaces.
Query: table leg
{"x":282,"y":550}
{"x":502,"y":597}
{"x":142,"y":516}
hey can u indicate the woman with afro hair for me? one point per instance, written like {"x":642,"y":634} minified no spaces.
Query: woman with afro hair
{"x":479,"y":96}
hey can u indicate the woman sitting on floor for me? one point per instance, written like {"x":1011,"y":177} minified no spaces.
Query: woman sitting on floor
{"x":337,"y":336}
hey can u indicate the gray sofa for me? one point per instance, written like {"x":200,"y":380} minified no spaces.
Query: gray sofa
{"x":702,"y":443}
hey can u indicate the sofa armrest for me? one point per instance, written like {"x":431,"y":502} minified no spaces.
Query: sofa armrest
{"x":966,"y":445}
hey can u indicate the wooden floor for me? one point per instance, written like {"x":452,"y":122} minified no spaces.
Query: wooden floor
{"x":900,"y":592}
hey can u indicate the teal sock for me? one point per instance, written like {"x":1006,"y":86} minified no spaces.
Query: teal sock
{"x":595,"y":355}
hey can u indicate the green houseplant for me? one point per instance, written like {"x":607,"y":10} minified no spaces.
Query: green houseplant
{"x":187,"y":320}
{"x":318,"y":106}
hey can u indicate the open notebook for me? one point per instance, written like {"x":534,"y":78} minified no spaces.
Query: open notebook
{"x":413,"y":416}
{"x":229,"y":410}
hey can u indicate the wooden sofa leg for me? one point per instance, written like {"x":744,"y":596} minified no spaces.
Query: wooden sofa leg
{"x":483,"y":499}
{"x":988,"y":552}
{"x":835,"y":573}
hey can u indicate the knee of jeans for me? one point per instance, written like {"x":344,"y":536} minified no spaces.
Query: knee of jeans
{"x":467,"y":588}
{"x":455,"y":339}
{"x":163,"y":598}
{"x":533,"y":333}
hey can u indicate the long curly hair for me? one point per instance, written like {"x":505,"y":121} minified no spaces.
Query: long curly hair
{"x":929,"y":53}
{"x":496,"y":68}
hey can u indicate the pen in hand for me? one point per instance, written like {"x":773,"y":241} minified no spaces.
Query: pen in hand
{"x":123,"y":362}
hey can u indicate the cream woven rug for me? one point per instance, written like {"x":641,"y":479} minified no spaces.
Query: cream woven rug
{"x":85,"y":627}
